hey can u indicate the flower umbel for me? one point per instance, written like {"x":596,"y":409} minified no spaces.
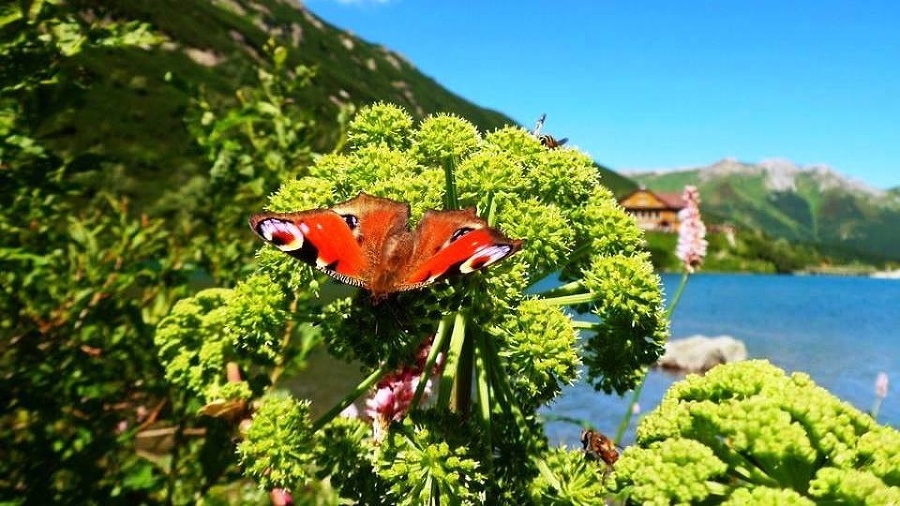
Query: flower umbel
{"x":750,"y":426}
{"x":692,"y":232}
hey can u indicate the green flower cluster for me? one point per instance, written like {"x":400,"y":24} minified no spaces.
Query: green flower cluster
{"x":421,"y":464}
{"x":343,"y":455}
{"x":550,"y":198}
{"x":536,"y":376}
{"x":575,"y":481}
{"x":277,"y":450}
{"x":494,"y":328}
{"x":747,"y":433}
{"x":204,"y":332}
{"x":194,"y":345}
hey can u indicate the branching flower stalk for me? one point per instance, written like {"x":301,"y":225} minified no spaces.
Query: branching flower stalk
{"x":520,"y":350}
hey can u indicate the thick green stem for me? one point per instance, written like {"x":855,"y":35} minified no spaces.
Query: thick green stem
{"x":876,"y":407}
{"x":501,"y":385}
{"x":566,"y":289}
{"x":678,"y":292}
{"x":483,"y":372}
{"x":548,"y":475}
{"x":508,"y":401}
{"x":451,"y":368}
{"x":572,"y":257}
{"x":436,"y":346}
{"x":490,"y":210}
{"x":451,"y":199}
{"x":568,"y":300}
{"x":360,"y":389}
{"x":581,"y":324}
{"x":462,"y":388}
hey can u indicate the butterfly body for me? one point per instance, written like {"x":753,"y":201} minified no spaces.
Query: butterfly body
{"x":366,"y":242}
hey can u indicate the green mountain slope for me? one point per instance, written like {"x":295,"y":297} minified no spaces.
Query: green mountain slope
{"x":803,"y":205}
{"x":127,"y":106}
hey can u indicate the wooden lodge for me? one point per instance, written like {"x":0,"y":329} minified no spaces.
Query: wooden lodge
{"x":655,"y":211}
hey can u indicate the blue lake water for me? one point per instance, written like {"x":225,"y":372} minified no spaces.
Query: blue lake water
{"x":842,"y":331}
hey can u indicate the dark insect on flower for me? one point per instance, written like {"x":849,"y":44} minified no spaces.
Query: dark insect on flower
{"x":599,"y":447}
{"x":547,"y":140}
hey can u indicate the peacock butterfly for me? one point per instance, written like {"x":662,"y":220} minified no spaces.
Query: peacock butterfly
{"x":366,"y":242}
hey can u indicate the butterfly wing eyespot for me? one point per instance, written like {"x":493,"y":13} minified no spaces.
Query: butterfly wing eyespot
{"x":447,"y":243}
{"x":485,"y":256}
{"x":284,"y":235}
{"x":459,"y":233}
{"x":351,"y":220}
{"x":320,"y":238}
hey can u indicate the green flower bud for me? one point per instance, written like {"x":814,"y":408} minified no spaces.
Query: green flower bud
{"x":539,"y":348}
{"x":581,"y":481}
{"x":258,"y":317}
{"x":380,"y":124}
{"x":444,"y":138}
{"x":192,"y":342}
{"x":277,"y":450}
{"x":674,"y":471}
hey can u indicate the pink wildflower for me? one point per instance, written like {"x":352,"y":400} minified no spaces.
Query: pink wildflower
{"x":881,"y":385}
{"x":692,"y":232}
{"x":394,"y":393}
{"x":350,"y":411}
{"x":281,"y":497}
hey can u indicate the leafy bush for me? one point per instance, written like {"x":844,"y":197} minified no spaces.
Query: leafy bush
{"x":87,"y":413}
{"x":82,"y":283}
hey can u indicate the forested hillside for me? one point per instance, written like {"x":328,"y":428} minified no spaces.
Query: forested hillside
{"x":126,"y":109}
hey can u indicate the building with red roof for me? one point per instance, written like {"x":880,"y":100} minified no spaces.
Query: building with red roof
{"x":656,"y":211}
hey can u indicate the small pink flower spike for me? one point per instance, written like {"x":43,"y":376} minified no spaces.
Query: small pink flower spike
{"x":881,"y":385}
{"x":692,"y":232}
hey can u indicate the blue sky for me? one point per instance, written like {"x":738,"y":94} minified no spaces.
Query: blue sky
{"x":656,"y":84}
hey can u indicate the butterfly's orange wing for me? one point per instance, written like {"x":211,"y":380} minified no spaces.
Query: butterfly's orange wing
{"x":321,"y":238}
{"x":446,"y":243}
{"x":345,"y":242}
{"x":366,"y":242}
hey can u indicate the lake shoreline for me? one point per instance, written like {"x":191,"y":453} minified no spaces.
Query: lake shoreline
{"x":840,"y":330}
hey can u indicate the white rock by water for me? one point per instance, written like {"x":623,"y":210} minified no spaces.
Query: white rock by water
{"x":701,"y":353}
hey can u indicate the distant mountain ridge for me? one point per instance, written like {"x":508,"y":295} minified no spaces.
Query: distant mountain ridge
{"x":812,"y":204}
